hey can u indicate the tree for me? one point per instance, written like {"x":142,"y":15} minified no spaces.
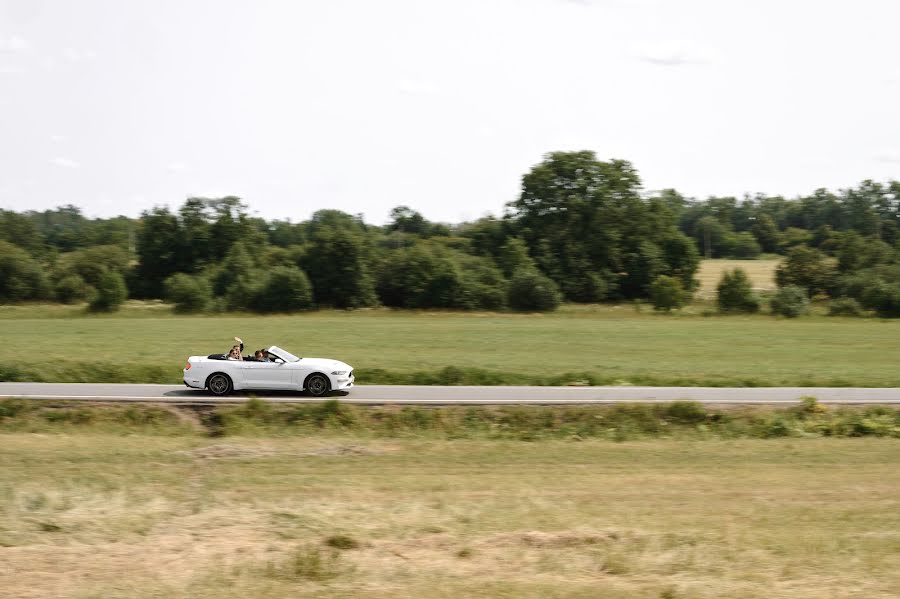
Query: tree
{"x":188,"y":293}
{"x":808,"y":268}
{"x":743,"y":246}
{"x":766,"y":233}
{"x":530,"y":291}
{"x":734,"y":293}
{"x":407,"y":220}
{"x":513,"y":256}
{"x":286,"y":289}
{"x":158,"y":239}
{"x":111,"y":292}
{"x":790,"y":301}
{"x":21,"y":277}
{"x":667,"y":294}
{"x":582,"y":219}
{"x":419,"y":277}
{"x":337,"y":265}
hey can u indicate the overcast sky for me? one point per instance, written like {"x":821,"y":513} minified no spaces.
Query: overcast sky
{"x":359,"y":105}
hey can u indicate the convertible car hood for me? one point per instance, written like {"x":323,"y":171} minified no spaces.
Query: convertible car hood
{"x":324,"y":363}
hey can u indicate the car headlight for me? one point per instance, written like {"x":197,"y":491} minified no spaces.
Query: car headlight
{"x":339,"y":372}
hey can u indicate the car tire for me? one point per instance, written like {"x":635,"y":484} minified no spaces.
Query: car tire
{"x":317,"y":384}
{"x":219,"y":384}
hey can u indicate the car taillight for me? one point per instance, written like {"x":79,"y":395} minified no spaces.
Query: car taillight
{"x":188,"y":367}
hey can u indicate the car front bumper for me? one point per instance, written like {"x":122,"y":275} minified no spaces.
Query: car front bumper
{"x":342,"y":383}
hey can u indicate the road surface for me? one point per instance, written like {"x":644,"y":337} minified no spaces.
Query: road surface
{"x":429,"y":395}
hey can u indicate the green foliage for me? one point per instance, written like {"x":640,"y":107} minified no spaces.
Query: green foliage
{"x":845,"y":306}
{"x":583,"y":219}
{"x":419,"y":277}
{"x":21,"y":277}
{"x":884,"y":297}
{"x":743,"y":246}
{"x":189,"y":293}
{"x":530,"y":291}
{"x":286,"y":289}
{"x":337,"y":264}
{"x":90,"y":264}
{"x":667,"y":293}
{"x":513,"y":256}
{"x":790,"y":301}
{"x":72,"y":288}
{"x":734,"y":293}
{"x":111,"y":292}
{"x":808,"y":268}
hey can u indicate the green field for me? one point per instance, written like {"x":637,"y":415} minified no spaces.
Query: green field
{"x":90,"y":516}
{"x":578,"y":344}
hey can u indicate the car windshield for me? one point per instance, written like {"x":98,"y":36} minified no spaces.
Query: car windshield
{"x":283,"y":354}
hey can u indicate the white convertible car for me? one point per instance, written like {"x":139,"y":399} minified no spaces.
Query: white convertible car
{"x":282,"y":371}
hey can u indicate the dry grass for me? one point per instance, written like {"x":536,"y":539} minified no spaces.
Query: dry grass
{"x":760,"y":272}
{"x":86,"y":516}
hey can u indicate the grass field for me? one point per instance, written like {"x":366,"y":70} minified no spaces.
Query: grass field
{"x":578,"y":344}
{"x":760,"y":272}
{"x":86,"y":516}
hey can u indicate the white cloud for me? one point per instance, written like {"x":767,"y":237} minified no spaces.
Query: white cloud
{"x":57,"y":139}
{"x":13,"y":45}
{"x":65,"y":162}
{"x":675,"y":53}
{"x":177,"y":167}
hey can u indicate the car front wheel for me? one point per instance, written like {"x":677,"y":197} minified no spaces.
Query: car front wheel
{"x":318,"y":385}
{"x":219,"y":384}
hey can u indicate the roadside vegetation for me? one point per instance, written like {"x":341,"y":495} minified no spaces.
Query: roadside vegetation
{"x":620,"y":422}
{"x":86,"y":514}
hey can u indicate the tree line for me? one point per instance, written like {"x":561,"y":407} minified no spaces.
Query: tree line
{"x":581,"y":230}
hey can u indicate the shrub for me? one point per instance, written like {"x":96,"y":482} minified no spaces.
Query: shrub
{"x":188,"y":293}
{"x":790,"y":301}
{"x":21,"y":277}
{"x":72,"y":289}
{"x":743,"y":246}
{"x":734,"y":293}
{"x":807,"y":268}
{"x":845,"y":306}
{"x":883,"y":297}
{"x":111,"y":292}
{"x":667,"y":293}
{"x":530,"y":291}
{"x":287,"y":289}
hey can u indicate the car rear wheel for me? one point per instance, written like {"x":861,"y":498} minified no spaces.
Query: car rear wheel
{"x":219,"y":384}
{"x":318,"y":384}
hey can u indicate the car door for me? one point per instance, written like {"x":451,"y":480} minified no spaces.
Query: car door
{"x":267,"y":375}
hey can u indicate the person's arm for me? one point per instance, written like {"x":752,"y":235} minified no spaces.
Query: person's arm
{"x":238,"y":339}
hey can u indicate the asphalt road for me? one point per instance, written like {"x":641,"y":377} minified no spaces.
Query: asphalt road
{"x":428,"y":395}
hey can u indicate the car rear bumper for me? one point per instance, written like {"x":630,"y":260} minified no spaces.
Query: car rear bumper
{"x":193,"y":383}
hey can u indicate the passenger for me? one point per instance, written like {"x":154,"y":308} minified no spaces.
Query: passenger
{"x":235,"y":353}
{"x":259,"y":356}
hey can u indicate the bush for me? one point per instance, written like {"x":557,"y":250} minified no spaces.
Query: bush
{"x":743,"y":246}
{"x":883,"y":297}
{"x":286,"y":290}
{"x":530,"y":291}
{"x":845,"y":306}
{"x":72,"y":289}
{"x":111,"y":292}
{"x":21,"y":277}
{"x":667,"y":293}
{"x":188,"y":293}
{"x":807,"y":268}
{"x":734,"y":293}
{"x":790,"y":301}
